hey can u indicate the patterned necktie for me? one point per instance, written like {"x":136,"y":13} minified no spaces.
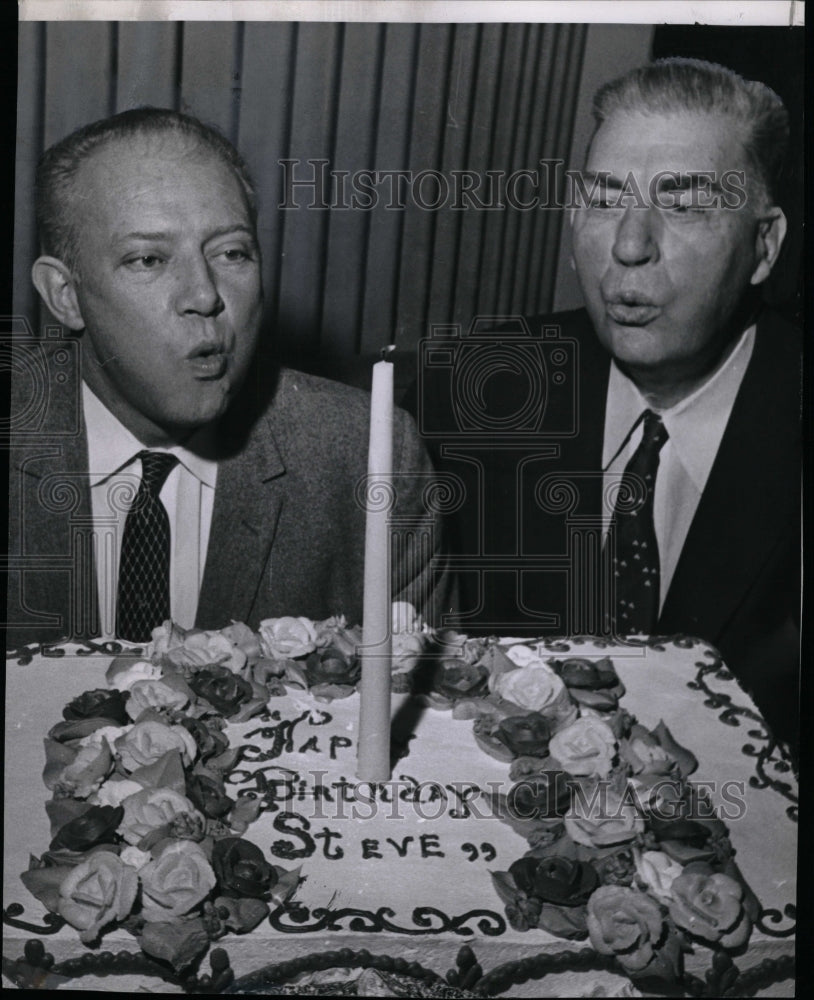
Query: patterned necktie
{"x":144,"y":567}
{"x":632,"y":536}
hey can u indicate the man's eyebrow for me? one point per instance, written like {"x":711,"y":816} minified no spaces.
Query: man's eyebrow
{"x":158,"y":235}
{"x":688,"y":179}
{"x":603,"y":177}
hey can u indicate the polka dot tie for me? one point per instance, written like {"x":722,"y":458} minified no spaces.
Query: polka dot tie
{"x":631,"y":541}
{"x":144,"y":567}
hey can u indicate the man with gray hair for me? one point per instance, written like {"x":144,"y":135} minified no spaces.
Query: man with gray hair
{"x":169,"y":473}
{"x":686,"y":452}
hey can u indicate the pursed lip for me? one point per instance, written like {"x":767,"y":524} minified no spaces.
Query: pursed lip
{"x":208,"y":360}
{"x":631,"y":308}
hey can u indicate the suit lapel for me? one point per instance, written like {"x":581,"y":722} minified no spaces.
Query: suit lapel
{"x":248,"y":501}
{"x":745,"y":505}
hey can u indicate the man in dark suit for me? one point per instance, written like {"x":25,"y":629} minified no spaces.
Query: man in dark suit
{"x":158,"y":466}
{"x":650,"y":482}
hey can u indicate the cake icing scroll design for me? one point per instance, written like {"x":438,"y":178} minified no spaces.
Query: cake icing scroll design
{"x":51,"y":922}
{"x":299,"y":919}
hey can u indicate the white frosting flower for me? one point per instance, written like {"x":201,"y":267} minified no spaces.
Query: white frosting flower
{"x":207,"y":649}
{"x":286,"y":638}
{"x":153,"y":694}
{"x":123,"y":677}
{"x":134,"y":857}
{"x":114,"y":792}
{"x":405,"y":618}
{"x":109,"y":733}
{"x":586,"y":747}
{"x":658,"y":871}
{"x":534,"y":688}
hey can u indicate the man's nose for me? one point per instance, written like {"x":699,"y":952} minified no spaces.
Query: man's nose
{"x":636,"y":239}
{"x":197,"y":291}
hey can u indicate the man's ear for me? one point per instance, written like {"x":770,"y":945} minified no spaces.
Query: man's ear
{"x":57,"y":286}
{"x":771,"y":231}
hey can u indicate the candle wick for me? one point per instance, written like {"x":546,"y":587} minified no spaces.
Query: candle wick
{"x":387,"y":350}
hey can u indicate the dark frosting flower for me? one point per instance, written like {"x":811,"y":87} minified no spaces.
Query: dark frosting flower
{"x":210,"y":740}
{"x":332,"y":666}
{"x":101,"y":703}
{"x":525,"y":735}
{"x":208,"y":795}
{"x":224,"y":691}
{"x":455,"y":678}
{"x":95,"y":826}
{"x":591,"y":675}
{"x":545,"y":795}
{"x":556,"y":880}
{"x":241,"y":869}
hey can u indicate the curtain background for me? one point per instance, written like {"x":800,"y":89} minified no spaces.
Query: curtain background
{"x":340,"y":284}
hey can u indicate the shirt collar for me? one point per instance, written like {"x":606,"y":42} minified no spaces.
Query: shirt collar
{"x":111,"y":446}
{"x":695,"y":424}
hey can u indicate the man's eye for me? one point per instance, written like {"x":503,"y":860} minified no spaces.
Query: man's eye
{"x":235,"y":254}
{"x":145,"y":262}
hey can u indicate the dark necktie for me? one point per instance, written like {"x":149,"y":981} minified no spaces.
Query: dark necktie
{"x":144,"y":567}
{"x":632,"y":541}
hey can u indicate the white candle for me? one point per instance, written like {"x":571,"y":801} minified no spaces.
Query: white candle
{"x":373,"y":750}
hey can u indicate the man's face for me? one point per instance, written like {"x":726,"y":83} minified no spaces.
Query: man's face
{"x":169,"y":285}
{"x":662,"y":284}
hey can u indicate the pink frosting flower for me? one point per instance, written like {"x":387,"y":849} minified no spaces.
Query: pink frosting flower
{"x":154,"y":694}
{"x":96,"y":892}
{"x":624,"y":923}
{"x":658,"y":872}
{"x":711,"y":907}
{"x":148,"y":741}
{"x":173,"y":884}
{"x":122,"y":674}
{"x":536,"y":688}
{"x":85,"y":774}
{"x":207,"y":649}
{"x":287,"y":638}
{"x":601,"y":817}
{"x":586,"y":747}
{"x":152,"y":808}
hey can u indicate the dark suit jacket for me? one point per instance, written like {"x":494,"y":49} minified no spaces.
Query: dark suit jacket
{"x":287,"y":535}
{"x":737,"y":584}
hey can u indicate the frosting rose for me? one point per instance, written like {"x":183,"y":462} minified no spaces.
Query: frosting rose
{"x":123,"y":675}
{"x":601,"y":817}
{"x":114,"y":791}
{"x":148,"y":741}
{"x":86,"y":772}
{"x":208,"y":795}
{"x":331,"y":666}
{"x":100,"y":703}
{"x":711,"y":907}
{"x":176,"y":881}
{"x":207,"y":735}
{"x":658,"y":872}
{"x":97,"y":892}
{"x":154,"y":694}
{"x":544,"y":796}
{"x":525,"y":735}
{"x":624,"y":923}
{"x":206,"y":649}
{"x":535,"y":688}
{"x":224,"y":691}
{"x":151,"y":809}
{"x":645,"y":757}
{"x":96,"y":826}
{"x":456,"y":679}
{"x":405,"y":618}
{"x":287,"y":638}
{"x":408,"y":648}
{"x":241,"y":869}
{"x":586,"y":747}
{"x":556,"y":880}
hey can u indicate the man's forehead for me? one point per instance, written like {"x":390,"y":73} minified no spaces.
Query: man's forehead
{"x":683,"y":141}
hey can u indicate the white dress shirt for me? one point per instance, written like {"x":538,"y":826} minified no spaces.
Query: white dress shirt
{"x":188,"y":496}
{"x":695,"y":426}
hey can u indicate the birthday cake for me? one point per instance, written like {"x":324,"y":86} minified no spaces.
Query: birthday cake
{"x":589,"y":812}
